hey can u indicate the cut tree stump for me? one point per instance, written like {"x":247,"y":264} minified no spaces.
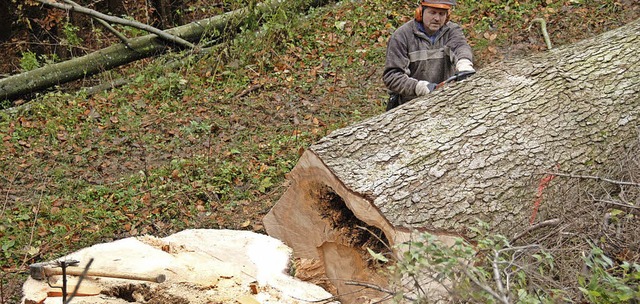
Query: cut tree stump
{"x":478,"y":149}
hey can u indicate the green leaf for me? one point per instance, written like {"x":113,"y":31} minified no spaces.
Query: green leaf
{"x":522,"y":294}
{"x":33,"y":250}
{"x":8,"y":244}
{"x":625,"y":296}
{"x":377,"y":256}
{"x":265,"y":183}
{"x":615,"y":212}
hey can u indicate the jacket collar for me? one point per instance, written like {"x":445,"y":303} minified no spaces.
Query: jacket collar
{"x":419,"y":30}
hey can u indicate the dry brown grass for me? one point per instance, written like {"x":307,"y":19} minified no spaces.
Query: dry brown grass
{"x":600,"y":210}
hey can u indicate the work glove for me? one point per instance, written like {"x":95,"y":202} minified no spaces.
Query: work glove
{"x":464,"y":65}
{"x":424,"y":87}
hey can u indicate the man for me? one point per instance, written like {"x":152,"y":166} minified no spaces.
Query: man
{"x":424,"y":52}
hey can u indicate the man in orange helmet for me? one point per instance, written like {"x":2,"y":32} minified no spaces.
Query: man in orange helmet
{"x":424,"y":52}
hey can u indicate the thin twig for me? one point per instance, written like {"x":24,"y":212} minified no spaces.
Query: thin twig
{"x":622,"y":183}
{"x":33,"y":226}
{"x":108,"y":26}
{"x":618,"y":204}
{"x":475,"y":281}
{"x":497,"y":277}
{"x":249,"y":90}
{"x":6,"y":197}
{"x":543,"y":28}
{"x":379,"y":239}
{"x":496,"y":269}
{"x":551,"y":222}
{"x":518,"y":248}
{"x":378,"y":288}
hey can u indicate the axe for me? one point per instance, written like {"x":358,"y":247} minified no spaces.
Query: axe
{"x":40,"y":271}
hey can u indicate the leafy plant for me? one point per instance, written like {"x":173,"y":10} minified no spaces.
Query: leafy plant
{"x":607,"y":281}
{"x":70,"y":32}
{"x":490,"y":270}
{"x":29,"y":61}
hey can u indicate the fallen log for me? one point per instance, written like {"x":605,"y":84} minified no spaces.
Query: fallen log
{"x":479,"y":149}
{"x":141,"y":47}
{"x":73,"y":7}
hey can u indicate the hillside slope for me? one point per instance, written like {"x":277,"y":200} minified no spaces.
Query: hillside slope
{"x":208,"y":144}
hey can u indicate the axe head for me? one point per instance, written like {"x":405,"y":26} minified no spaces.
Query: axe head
{"x":36,"y":271}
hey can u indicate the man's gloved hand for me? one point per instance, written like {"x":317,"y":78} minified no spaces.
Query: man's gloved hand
{"x":424,"y":87}
{"x":464,"y":65}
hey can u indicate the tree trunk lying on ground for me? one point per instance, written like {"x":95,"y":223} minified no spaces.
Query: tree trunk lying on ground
{"x":478,"y":149}
{"x":142,"y":47}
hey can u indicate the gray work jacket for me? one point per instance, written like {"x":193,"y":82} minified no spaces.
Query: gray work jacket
{"x":411,"y":56}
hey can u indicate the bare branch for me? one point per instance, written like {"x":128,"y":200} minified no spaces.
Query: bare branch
{"x":543,"y":28}
{"x":518,"y":248}
{"x":497,"y":277}
{"x":6,"y":198}
{"x":618,"y":204}
{"x":108,"y":26}
{"x":249,"y":90}
{"x":484,"y":287}
{"x":551,"y":222}
{"x":380,"y":240}
{"x":378,"y":288}
{"x":83,"y":10}
{"x":622,"y":183}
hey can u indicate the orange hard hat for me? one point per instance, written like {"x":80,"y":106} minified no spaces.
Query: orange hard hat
{"x":444,"y":4}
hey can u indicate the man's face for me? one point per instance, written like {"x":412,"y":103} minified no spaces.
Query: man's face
{"x":433,"y":19}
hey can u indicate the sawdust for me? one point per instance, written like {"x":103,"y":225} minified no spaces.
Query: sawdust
{"x":161,"y":244}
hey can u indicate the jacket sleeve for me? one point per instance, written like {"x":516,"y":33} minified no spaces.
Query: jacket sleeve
{"x":396,"y":70}
{"x":458,"y":44}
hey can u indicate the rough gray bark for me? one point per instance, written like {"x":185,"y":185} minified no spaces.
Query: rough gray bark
{"x":142,"y":47}
{"x":474,"y":150}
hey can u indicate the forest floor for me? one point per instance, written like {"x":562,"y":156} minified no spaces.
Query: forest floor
{"x":208,"y":144}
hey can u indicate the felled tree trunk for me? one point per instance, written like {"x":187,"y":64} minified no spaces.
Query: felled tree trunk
{"x":474,"y":150}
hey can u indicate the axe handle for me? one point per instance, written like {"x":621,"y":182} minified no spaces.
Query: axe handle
{"x":49,"y":271}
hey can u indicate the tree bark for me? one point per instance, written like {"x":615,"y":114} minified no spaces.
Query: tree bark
{"x":166,"y":12}
{"x":479,"y":149}
{"x":114,"y":7}
{"x":142,"y":47}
